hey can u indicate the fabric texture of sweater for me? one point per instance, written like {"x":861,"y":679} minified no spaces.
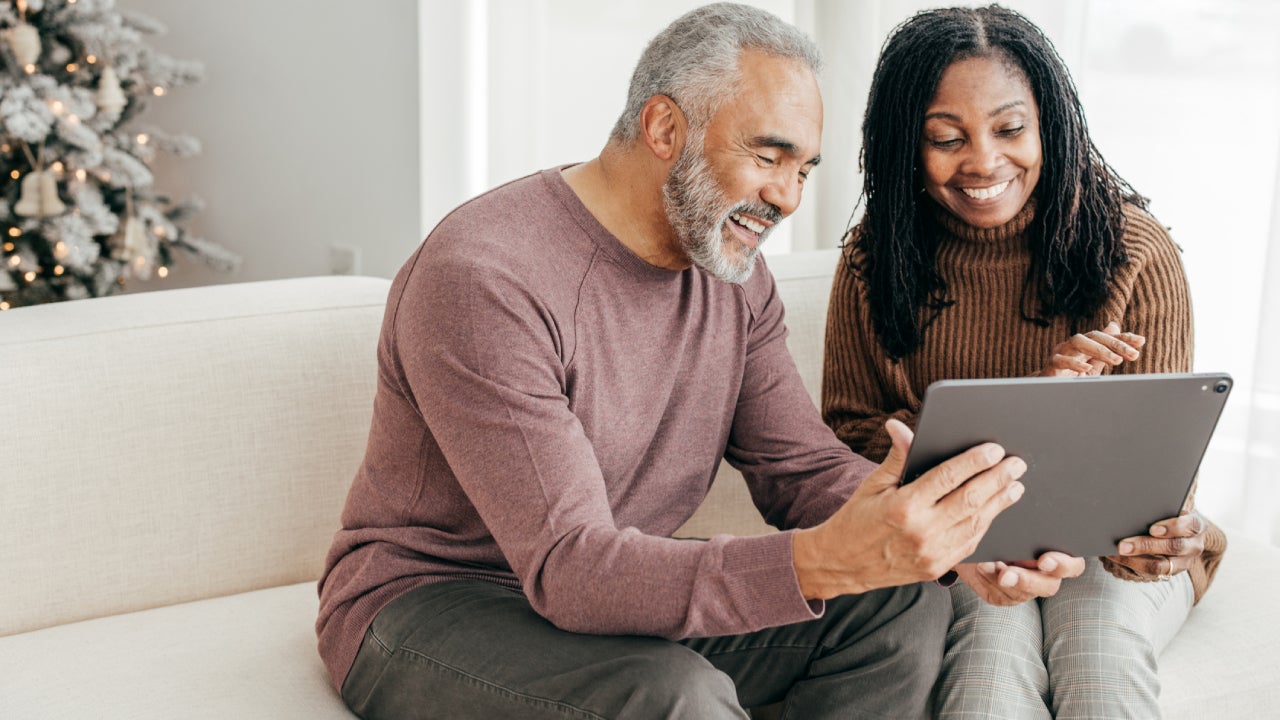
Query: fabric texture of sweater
{"x":983,"y":334}
{"x":550,"y":408}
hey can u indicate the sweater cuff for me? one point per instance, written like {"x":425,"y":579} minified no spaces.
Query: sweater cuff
{"x":760,"y":574}
{"x":1201,"y":571}
{"x":1215,"y":546}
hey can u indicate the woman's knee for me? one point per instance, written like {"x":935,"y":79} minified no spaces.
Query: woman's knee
{"x":976,"y":620}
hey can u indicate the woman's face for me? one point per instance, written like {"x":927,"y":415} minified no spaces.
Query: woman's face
{"x":981,"y":146}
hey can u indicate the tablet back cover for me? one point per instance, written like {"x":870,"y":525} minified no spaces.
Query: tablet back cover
{"x":1106,"y":456}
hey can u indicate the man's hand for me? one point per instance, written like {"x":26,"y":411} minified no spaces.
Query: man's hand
{"x":1013,"y":583}
{"x":888,"y":535}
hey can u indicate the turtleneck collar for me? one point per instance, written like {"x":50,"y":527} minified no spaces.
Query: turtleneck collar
{"x":998,"y":235}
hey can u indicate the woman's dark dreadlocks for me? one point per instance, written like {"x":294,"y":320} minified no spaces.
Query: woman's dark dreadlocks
{"x":1078,"y":200}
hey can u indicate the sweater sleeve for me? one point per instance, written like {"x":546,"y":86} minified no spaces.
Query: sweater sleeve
{"x":481,"y":359}
{"x":1158,"y":307}
{"x":797,"y":471}
{"x":855,"y":400}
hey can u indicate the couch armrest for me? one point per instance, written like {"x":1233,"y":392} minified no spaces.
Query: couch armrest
{"x":182,"y":444}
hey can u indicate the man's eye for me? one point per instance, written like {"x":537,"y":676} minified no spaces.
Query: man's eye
{"x":765,"y":160}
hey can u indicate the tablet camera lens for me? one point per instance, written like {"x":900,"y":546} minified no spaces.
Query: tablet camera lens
{"x":1221,"y":387}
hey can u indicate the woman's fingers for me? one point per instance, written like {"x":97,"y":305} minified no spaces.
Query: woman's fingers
{"x":1154,"y":566}
{"x":1089,"y":353}
{"x":1188,"y":524}
{"x":1172,"y":547}
{"x":1015,"y":584}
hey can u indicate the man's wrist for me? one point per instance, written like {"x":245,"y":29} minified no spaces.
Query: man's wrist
{"x":807,"y":560}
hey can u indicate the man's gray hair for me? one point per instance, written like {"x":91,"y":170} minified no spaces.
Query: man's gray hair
{"x":694,"y":61}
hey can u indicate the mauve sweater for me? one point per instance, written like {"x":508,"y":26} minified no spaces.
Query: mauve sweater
{"x":550,"y":408}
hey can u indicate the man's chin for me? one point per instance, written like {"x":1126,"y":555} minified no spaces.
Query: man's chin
{"x":731,"y":270}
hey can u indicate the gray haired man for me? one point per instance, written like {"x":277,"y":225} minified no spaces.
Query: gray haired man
{"x":563,"y":364}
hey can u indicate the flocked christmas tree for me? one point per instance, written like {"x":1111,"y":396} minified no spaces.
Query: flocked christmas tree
{"x":79,"y":215}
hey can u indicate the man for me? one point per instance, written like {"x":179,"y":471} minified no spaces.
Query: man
{"x":563,"y":364}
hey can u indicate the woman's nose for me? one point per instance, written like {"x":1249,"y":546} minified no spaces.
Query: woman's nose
{"x":983,"y":157}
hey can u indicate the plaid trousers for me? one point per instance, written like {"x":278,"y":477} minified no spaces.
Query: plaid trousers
{"x":1087,"y":652}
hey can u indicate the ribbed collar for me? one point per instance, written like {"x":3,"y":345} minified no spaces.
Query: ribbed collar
{"x":1000,"y":235}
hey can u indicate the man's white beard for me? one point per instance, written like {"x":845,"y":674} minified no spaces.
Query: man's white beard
{"x":698,"y":211}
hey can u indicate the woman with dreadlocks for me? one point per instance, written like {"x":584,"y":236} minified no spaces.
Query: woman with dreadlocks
{"x":997,"y":242}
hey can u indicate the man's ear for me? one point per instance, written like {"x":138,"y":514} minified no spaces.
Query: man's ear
{"x":663,"y":127}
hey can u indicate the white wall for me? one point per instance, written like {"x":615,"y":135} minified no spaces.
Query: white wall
{"x":309,"y":116}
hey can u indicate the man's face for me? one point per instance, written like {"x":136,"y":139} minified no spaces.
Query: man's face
{"x":742,"y":174}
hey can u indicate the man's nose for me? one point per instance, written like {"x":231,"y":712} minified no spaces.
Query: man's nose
{"x":783,"y":194}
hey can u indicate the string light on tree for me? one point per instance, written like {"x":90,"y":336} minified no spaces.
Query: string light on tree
{"x":78,"y":204}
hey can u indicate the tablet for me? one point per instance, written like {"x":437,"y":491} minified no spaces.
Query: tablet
{"x":1106,"y":456}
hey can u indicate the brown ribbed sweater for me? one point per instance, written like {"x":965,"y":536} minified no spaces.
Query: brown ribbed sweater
{"x":984,"y":335}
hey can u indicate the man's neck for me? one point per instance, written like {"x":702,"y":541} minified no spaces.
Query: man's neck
{"x":624,"y":192}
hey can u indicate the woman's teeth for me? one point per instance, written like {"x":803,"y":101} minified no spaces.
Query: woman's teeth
{"x":985,"y":193}
{"x":750,"y":224}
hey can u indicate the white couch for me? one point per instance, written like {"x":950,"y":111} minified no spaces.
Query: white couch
{"x":173,"y":465}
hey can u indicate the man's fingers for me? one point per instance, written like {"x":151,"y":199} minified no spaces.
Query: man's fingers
{"x":889,"y":474}
{"x":901,"y":436}
{"x":973,"y":506}
{"x":987,"y":493}
{"x":940,"y":481}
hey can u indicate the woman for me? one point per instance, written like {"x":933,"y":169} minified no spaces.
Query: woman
{"x":997,"y":242}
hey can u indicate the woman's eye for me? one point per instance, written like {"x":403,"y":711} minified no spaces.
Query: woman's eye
{"x":1013,"y":131}
{"x":946,"y":144}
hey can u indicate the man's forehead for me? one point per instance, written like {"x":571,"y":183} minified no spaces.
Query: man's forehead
{"x":776,"y":104}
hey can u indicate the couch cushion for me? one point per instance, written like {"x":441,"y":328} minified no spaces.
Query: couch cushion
{"x":251,"y":655}
{"x":1223,"y":663}
{"x":178,"y":445}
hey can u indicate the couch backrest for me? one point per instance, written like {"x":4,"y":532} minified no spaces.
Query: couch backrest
{"x":168,"y":446}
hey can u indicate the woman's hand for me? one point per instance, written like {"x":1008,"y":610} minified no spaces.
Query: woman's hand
{"x":1001,"y":583}
{"x":1088,"y":353}
{"x":1171,"y":548}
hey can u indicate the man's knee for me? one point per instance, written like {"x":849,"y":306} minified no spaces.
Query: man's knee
{"x":904,"y":625}
{"x":674,"y":682}
{"x":925,"y":618}
{"x":921,"y":609}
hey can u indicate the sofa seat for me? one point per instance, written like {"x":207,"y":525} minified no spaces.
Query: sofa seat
{"x":1224,"y":662}
{"x":243,"y":656}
